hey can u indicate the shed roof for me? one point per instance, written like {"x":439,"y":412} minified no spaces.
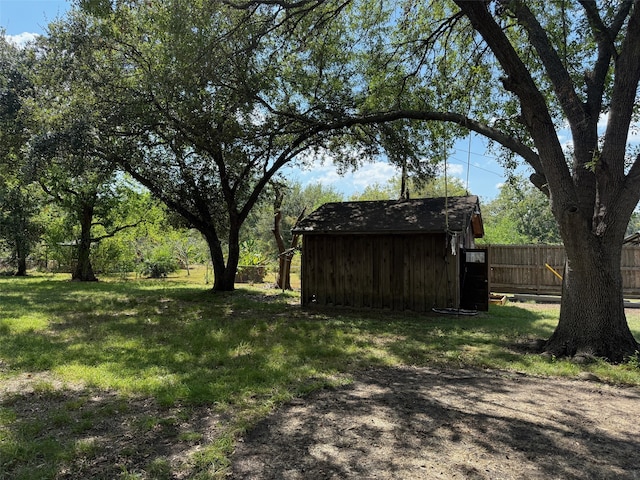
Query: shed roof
{"x":425,"y":215}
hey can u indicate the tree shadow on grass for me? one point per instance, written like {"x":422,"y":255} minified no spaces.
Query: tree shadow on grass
{"x":63,"y":433}
{"x":413,"y":423}
{"x":187,"y":345}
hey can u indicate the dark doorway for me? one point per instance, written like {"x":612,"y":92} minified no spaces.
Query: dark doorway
{"x":474,"y":279}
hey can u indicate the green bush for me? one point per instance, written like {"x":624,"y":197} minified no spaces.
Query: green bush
{"x":160,"y":263}
{"x":113,"y":255}
{"x":251,"y":253}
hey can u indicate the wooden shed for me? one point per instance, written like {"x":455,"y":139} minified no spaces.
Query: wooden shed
{"x":414,"y":255}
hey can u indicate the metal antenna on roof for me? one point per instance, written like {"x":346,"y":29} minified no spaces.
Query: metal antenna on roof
{"x":446,"y":190}
{"x":443,"y":146}
{"x":446,"y":198}
{"x":468,"y":162}
{"x":469,"y":148}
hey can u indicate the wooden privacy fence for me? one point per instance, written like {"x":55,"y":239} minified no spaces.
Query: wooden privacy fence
{"x":521,"y":269}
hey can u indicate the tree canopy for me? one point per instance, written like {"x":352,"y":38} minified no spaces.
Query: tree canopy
{"x":269,"y":88}
{"x":19,"y":202}
{"x":520,"y":214}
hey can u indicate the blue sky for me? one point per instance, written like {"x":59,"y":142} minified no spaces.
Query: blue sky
{"x":18,"y":17}
{"x":22,"y":19}
{"x":484,"y":179}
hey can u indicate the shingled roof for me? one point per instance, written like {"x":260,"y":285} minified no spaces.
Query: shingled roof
{"x":425,"y":215}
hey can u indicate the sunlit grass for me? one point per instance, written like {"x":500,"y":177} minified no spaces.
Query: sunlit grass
{"x":240,"y":353}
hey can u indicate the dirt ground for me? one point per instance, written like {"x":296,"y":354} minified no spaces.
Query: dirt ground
{"x":421,"y":423}
{"x":396,"y":423}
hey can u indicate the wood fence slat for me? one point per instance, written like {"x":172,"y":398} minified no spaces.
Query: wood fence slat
{"x":521,"y":269}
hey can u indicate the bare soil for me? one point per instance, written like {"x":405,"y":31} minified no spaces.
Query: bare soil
{"x":422,"y":423}
{"x":396,"y":423}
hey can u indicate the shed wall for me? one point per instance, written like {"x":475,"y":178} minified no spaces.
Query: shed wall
{"x":398,"y":272}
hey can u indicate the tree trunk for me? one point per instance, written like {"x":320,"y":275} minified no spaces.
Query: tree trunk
{"x":21,"y":257}
{"x":22,"y":267}
{"x":283,"y":279}
{"x":224,"y":275}
{"x":404,"y":188}
{"x":592,"y":317}
{"x":84,"y":271}
{"x":233,"y":258}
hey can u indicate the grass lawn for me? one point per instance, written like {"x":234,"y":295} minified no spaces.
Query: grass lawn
{"x":155,"y":379}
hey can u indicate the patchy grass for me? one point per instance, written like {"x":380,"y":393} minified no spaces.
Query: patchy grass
{"x":155,"y":379}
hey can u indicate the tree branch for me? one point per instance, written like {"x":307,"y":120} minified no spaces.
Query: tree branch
{"x":114,"y":232}
{"x":277,"y":3}
{"x":605,"y":39}
{"x":535,"y":112}
{"x":623,"y":98}
{"x":507,"y":141}
{"x":562,"y":83}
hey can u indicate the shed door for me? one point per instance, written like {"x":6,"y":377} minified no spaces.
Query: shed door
{"x":474,"y":279}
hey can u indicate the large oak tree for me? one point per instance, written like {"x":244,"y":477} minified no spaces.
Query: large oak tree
{"x":63,"y":157}
{"x":204,"y":103}
{"x":19,"y":200}
{"x":574,"y":64}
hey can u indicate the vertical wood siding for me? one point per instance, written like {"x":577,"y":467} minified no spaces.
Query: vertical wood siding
{"x":397,"y":272}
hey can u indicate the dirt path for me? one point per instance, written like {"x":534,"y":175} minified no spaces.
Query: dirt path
{"x":420,"y":423}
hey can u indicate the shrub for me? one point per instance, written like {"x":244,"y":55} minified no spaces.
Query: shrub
{"x":160,"y":263}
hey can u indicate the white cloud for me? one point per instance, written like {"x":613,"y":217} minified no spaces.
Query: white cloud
{"x":350,"y":182}
{"x":453,"y":169}
{"x":372,"y":173}
{"x":22,"y":39}
{"x":320,"y":173}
